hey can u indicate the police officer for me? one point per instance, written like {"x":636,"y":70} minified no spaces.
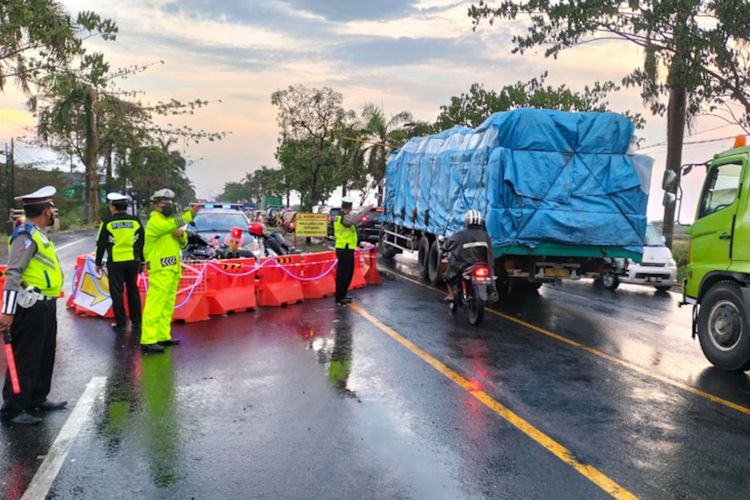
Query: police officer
{"x":164,"y":239}
{"x":345,"y":232}
{"x":33,"y":282}
{"x":121,"y":235}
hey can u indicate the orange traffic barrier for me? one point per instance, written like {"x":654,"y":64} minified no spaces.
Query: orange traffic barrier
{"x":320,"y":280}
{"x":358,"y":277}
{"x":277,"y":284}
{"x":230,"y":286}
{"x":372,"y":276}
{"x":191,"y":304}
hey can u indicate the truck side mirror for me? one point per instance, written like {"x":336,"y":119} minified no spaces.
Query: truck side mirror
{"x":669,"y":181}
{"x":669,"y":200}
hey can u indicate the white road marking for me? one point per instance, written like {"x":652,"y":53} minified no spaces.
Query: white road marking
{"x":81,"y":414}
{"x":72,"y":243}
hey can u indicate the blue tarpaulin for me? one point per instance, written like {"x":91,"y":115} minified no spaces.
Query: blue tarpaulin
{"x":536,"y":175}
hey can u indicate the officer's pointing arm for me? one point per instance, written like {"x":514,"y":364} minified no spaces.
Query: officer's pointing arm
{"x":167,"y":225}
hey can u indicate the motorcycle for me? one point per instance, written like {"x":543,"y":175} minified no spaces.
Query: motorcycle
{"x":475,"y":290}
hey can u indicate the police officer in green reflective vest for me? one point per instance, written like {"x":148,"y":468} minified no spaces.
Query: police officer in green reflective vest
{"x":33,"y":282}
{"x":345,"y":232}
{"x":164,"y":239}
{"x":121,"y":236}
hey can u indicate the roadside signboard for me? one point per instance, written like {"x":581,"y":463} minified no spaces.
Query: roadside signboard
{"x":311,"y":225}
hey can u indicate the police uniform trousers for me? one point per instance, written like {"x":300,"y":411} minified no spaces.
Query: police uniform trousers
{"x":160,"y":303}
{"x":125,"y":273}
{"x":344,"y":271}
{"x":34,"y":339}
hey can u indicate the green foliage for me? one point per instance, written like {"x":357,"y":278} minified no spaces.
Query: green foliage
{"x":234,"y":191}
{"x":155,"y":167}
{"x":472,"y":108}
{"x":698,"y":46}
{"x":312,"y":158}
{"x":38,"y":37}
{"x":680,"y":255}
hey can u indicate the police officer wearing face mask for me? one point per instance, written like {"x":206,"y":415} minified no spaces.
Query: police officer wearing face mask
{"x":33,"y":282}
{"x":164,"y":240}
{"x":121,"y":236}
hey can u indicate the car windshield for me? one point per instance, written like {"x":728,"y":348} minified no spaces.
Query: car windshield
{"x":653,"y":237}
{"x":222,"y":222}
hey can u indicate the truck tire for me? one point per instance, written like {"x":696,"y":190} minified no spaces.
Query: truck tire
{"x":434,"y":260}
{"x":423,"y":253}
{"x":610,"y":281}
{"x":723,"y":327}
{"x":387,"y":251}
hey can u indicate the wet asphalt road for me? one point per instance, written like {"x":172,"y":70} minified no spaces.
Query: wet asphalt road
{"x":310,"y":402}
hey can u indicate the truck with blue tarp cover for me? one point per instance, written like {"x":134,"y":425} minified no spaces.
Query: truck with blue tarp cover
{"x":559,"y":191}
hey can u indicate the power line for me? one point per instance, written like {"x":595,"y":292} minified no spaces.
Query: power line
{"x":705,"y":141}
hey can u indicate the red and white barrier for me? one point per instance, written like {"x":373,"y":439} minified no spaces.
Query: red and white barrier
{"x":218,"y":287}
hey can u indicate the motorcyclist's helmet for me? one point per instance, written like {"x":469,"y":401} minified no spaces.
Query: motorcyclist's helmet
{"x":472,"y":218}
{"x":256,"y":229}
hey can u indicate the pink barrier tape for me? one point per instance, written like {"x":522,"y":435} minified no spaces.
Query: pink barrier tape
{"x":312,"y":278}
{"x":198,"y":279}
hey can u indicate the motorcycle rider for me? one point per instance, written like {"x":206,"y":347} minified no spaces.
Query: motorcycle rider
{"x":465,"y":248}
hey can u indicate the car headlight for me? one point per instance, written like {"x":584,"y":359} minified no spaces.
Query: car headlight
{"x":672,"y":263}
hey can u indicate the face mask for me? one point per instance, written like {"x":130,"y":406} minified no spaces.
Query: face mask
{"x":167,"y":210}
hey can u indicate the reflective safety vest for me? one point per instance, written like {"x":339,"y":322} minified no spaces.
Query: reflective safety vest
{"x":123,"y":233}
{"x":346,"y":237}
{"x":161,"y":249}
{"x":43,"y":271}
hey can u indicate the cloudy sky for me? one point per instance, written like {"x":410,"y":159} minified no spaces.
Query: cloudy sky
{"x":399,"y":54}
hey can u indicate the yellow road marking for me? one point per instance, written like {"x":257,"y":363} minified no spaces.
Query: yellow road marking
{"x":643,"y":371}
{"x":588,"y":471}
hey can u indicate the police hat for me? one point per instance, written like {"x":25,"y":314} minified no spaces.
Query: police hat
{"x":38,"y":197}
{"x":117,"y":198}
{"x":163,"y":194}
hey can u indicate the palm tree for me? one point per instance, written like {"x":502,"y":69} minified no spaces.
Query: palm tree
{"x":385,"y":134}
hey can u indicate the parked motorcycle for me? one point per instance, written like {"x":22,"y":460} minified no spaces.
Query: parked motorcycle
{"x":475,"y":290}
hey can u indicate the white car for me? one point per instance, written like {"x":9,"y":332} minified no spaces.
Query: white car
{"x":657,"y":267}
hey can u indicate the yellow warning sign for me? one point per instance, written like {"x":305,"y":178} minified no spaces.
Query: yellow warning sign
{"x":311,"y":225}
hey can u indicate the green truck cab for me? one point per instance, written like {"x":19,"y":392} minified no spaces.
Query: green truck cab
{"x":718,"y":271}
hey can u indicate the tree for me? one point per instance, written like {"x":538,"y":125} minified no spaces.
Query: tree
{"x":150,"y":168}
{"x":472,"y":108}
{"x":84,"y":114}
{"x":38,"y":37}
{"x":386,"y":134}
{"x":310,"y":122}
{"x":234,"y":191}
{"x":695,"y":53}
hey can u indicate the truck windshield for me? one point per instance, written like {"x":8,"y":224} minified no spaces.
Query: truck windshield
{"x":721,"y":188}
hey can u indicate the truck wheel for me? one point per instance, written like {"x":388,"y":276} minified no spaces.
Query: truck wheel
{"x":610,"y":281}
{"x":423,"y":252}
{"x":723,"y":327}
{"x":433,"y":261}
{"x":387,"y":251}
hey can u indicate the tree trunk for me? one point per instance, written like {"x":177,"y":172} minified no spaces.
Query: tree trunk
{"x":108,"y":164}
{"x":90,"y":156}
{"x":675,"y":135}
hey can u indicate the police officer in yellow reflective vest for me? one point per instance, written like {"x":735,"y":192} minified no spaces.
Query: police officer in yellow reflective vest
{"x":34,"y":280}
{"x":164,"y":240}
{"x":121,"y":236}
{"x":345,"y":232}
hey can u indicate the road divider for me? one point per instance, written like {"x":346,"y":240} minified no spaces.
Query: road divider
{"x":218,"y":287}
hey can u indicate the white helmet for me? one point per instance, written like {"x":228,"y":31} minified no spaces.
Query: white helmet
{"x":163,"y":193}
{"x":472,"y":218}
